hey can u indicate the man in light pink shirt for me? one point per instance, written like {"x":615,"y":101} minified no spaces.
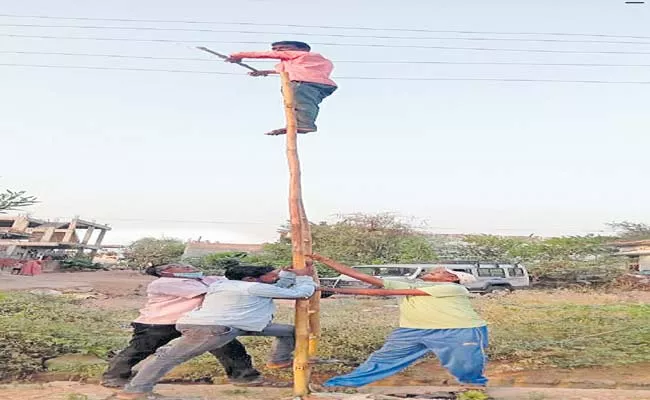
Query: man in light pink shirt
{"x":179,"y":289}
{"x":309,"y":74}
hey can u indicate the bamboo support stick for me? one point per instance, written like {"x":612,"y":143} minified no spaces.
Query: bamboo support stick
{"x":314,"y":302}
{"x":301,"y":368}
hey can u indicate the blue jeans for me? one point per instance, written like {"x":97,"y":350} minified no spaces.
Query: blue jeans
{"x":307,"y":97}
{"x":460,"y":351}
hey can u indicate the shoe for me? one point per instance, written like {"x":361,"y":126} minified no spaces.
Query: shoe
{"x":279,"y":365}
{"x":245,"y":379}
{"x":254,"y":381}
{"x":114,"y":382}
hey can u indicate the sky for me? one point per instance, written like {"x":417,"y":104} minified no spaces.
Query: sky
{"x":182,"y":154}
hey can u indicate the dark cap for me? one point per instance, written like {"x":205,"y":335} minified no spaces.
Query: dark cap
{"x":299,"y":45}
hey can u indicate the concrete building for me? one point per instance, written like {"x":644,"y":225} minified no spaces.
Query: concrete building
{"x":637,"y":251}
{"x":26,"y":237}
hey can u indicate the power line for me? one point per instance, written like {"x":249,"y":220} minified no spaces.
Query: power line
{"x":181,"y":221}
{"x":127,"y":56}
{"x":328,"y":44}
{"x":159,"y":29}
{"x":449,"y":79}
{"x":280,"y":224}
{"x":89,"y":67}
{"x":362,"y":28}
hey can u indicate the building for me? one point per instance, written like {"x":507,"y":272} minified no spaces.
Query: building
{"x":637,"y":251}
{"x":197,"y":249}
{"x":22,"y":236}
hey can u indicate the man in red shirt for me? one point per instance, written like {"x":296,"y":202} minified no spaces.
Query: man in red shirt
{"x":309,"y":74}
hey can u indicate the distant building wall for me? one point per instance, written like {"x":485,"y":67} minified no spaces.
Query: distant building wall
{"x":200,"y":249}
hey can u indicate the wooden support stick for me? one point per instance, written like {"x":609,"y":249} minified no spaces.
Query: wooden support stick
{"x":301,"y":367}
{"x":314,"y":302}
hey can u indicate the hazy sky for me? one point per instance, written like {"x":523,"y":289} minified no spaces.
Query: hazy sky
{"x":176,"y":154}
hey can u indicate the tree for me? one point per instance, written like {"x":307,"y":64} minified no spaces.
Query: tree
{"x":11,"y":200}
{"x":631,"y":230}
{"x":372,"y":239}
{"x":354,"y":239}
{"x":151,"y":250}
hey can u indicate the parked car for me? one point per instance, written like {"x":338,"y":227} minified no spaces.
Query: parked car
{"x":490,"y":277}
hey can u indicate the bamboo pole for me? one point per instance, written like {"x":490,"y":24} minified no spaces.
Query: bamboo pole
{"x":314,"y":302}
{"x":301,"y":369}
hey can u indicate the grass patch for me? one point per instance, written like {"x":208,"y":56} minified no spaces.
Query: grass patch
{"x":34,"y":328}
{"x":472,"y":395}
{"x":568,"y":335}
{"x":525,"y":331}
{"x":77,"y":396}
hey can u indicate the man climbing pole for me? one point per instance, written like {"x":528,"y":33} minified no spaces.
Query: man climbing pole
{"x":309,"y":74}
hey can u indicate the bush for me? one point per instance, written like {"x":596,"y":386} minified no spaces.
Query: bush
{"x":34,"y":328}
{"x":79,"y":264}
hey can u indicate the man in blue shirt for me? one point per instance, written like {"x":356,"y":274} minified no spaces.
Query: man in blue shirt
{"x":240,"y":306}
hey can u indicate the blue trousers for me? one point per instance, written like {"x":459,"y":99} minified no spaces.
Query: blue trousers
{"x":460,"y":351}
{"x":307,"y":97}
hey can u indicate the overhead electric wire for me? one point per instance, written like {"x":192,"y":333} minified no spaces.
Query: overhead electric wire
{"x":451,"y":79}
{"x":443,"y":62}
{"x":362,"y":28}
{"x":230,"y":222}
{"x":340,"y":35}
{"x":376,"y":45}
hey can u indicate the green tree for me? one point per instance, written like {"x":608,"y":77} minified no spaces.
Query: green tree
{"x":558,"y":258}
{"x":372,"y":239}
{"x":11,"y":200}
{"x":354,"y":239}
{"x":152,"y":250}
{"x":631,"y":230}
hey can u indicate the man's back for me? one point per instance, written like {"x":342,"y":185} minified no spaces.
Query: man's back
{"x":244,"y":305}
{"x":170,"y":298}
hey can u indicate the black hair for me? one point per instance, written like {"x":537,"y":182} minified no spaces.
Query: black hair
{"x":152,"y":270}
{"x":239,"y":272}
{"x":299,"y":45}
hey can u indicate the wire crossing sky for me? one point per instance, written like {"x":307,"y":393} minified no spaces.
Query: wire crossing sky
{"x":503,"y":118}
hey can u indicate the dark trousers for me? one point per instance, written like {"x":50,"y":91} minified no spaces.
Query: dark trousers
{"x":148,"y":338}
{"x":307,"y":97}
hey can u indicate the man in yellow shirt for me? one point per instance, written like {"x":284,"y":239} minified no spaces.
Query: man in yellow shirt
{"x":435,"y":316}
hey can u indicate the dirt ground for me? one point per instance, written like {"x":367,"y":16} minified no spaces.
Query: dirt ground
{"x":77,"y":391}
{"x":112,"y":283}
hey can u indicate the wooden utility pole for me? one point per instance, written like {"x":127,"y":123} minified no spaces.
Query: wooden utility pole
{"x":301,"y":242}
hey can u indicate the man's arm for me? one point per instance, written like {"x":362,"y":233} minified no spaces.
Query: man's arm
{"x":345,"y":270}
{"x":303,"y":289}
{"x":277,"y":55}
{"x":377,"y":292}
{"x":287,"y":279}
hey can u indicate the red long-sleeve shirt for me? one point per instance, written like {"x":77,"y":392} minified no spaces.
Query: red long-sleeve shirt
{"x":303,"y":66}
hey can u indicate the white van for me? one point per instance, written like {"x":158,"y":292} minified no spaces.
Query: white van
{"x":490,"y":277}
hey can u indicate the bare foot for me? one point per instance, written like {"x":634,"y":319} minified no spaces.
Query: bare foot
{"x":283,"y":131}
